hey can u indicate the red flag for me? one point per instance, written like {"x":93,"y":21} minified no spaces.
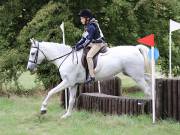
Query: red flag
{"x":147,"y":40}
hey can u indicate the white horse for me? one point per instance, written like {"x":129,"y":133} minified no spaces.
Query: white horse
{"x":127,"y":59}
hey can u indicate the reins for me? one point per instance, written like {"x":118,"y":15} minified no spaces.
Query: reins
{"x":67,"y":55}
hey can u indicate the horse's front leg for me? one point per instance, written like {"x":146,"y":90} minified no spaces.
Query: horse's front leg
{"x":72,"y":92}
{"x":63,"y":85}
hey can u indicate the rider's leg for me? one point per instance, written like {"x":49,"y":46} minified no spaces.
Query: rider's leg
{"x":94,"y":49}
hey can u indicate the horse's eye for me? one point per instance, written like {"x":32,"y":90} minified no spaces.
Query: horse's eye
{"x":32,"y":53}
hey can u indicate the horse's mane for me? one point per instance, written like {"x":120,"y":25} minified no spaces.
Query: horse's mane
{"x":61,"y":45}
{"x":62,"y":48}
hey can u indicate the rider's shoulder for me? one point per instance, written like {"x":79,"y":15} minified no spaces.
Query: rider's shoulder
{"x":91,"y":26}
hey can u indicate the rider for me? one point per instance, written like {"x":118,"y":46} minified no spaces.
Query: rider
{"x":92,"y":37}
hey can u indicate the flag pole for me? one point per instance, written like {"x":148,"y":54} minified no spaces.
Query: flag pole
{"x":170,"y":44}
{"x":99,"y":86}
{"x":63,"y":34}
{"x":149,"y":40}
{"x":153,"y":83}
{"x":66,"y":91}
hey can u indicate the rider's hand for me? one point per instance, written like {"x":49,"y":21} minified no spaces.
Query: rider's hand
{"x":74,"y":47}
{"x":77,"y":48}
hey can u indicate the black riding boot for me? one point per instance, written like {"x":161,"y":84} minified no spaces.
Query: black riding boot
{"x":89,"y":79}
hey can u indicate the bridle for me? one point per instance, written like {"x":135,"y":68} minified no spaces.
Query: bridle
{"x":36,"y":56}
{"x":39,"y":50}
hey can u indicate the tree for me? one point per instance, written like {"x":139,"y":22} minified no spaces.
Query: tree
{"x":14,"y":15}
{"x":153,"y":17}
{"x":121,"y":23}
{"x":45,"y":27}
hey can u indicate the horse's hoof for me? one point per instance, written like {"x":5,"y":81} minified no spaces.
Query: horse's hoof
{"x":43,"y":112}
{"x":65,"y":116}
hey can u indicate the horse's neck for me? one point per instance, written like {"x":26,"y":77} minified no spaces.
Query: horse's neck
{"x":54,"y":50}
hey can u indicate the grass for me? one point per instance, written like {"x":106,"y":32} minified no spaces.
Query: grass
{"x":130,"y":87}
{"x":27,"y":83}
{"x":126,"y":81}
{"x":20,"y":116}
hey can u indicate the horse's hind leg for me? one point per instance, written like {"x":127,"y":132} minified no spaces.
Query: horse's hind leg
{"x":144,"y":86}
{"x":140,"y":80}
{"x":148,"y":79}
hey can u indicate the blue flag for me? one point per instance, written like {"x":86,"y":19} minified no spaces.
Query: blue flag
{"x":156,"y":54}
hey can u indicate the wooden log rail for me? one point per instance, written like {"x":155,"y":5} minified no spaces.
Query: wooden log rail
{"x":117,"y":105}
{"x":111,"y":86}
{"x":168,"y":98}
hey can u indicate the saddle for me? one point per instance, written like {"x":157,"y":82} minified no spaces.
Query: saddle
{"x":95,"y":58}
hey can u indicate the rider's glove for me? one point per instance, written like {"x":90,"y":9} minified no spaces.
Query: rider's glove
{"x":77,"y":47}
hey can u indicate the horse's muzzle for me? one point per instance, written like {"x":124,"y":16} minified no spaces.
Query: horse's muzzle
{"x":31,"y":67}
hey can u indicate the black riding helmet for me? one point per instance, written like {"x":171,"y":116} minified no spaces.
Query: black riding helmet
{"x":85,"y":13}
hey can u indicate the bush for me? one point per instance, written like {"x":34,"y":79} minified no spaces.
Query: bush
{"x":45,"y":26}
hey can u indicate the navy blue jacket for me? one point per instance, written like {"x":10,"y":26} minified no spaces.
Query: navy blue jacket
{"x":92,"y":34}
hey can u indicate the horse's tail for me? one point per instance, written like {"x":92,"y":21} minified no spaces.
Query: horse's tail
{"x":147,"y":64}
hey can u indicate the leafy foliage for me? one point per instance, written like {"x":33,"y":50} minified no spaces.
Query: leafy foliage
{"x":121,"y":17}
{"x":14,"y":15}
{"x":45,"y":26}
{"x":122,"y":22}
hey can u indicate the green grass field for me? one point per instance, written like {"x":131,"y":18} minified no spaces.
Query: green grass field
{"x":20,"y":116}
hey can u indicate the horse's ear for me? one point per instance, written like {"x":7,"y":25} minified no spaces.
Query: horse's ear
{"x":32,"y":40}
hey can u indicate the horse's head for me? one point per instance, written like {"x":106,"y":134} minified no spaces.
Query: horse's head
{"x":36,"y":55}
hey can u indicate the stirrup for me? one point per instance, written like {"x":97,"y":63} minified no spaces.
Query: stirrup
{"x":89,"y":80}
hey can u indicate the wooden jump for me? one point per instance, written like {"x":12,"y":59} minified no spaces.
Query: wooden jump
{"x":168,"y":98}
{"x":108,"y":104}
{"x":111,"y":86}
